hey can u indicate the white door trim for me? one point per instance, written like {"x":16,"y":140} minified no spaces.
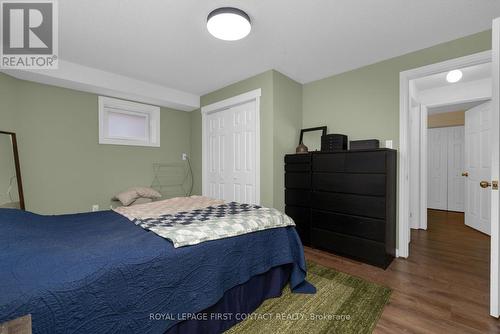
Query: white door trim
{"x":404,"y":140}
{"x":423,"y":167}
{"x":495,"y":138}
{"x":253,"y":95}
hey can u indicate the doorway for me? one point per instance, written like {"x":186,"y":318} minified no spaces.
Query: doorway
{"x":446,"y":165}
{"x":452,"y":145}
{"x":459,"y":151}
{"x":414,"y":140}
{"x":421,"y":90}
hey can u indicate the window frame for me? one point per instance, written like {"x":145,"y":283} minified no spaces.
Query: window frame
{"x":151,"y":113}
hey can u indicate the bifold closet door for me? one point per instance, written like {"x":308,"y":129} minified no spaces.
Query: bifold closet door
{"x":217,"y":134}
{"x":243,"y":153}
{"x":231,"y":157}
{"x":456,"y":166}
{"x":437,"y":175}
{"x":446,"y":160}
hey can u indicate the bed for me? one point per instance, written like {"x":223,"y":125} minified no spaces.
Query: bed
{"x":102,"y":272}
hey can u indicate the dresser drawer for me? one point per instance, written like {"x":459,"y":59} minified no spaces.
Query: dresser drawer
{"x":298,"y":168}
{"x":329,"y":163}
{"x":297,"y":158}
{"x":365,"y":184}
{"x":365,"y":162}
{"x":297,"y":197}
{"x":351,"y":162}
{"x":368,"y":228}
{"x":301,"y":216}
{"x":297,"y":180}
{"x":368,"y":251}
{"x":357,"y":205}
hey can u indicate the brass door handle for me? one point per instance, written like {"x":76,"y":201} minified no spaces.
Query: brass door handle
{"x":466,"y":174}
{"x":484,"y":184}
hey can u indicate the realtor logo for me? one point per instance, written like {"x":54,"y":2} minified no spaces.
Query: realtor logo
{"x":29,"y":34}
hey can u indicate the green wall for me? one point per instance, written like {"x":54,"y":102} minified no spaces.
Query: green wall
{"x":64,"y":168}
{"x":280,"y":121}
{"x":286,"y":130}
{"x":8,"y":101}
{"x":364,"y":103}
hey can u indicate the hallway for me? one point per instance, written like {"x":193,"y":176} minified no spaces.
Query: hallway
{"x":443,"y":287}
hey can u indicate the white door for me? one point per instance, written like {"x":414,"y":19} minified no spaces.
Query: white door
{"x":217,"y":133}
{"x":478,"y":167}
{"x":495,"y":173}
{"x":456,"y":165}
{"x":242,"y":157}
{"x":437,"y":174}
{"x":231,"y":154}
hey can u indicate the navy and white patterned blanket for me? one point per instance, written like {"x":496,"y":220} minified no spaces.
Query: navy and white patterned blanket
{"x":214,"y":222}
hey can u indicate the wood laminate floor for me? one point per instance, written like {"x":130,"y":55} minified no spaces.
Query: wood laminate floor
{"x":443,"y":287}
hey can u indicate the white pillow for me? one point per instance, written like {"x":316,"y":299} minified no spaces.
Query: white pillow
{"x":146,"y":192}
{"x":131,"y":195}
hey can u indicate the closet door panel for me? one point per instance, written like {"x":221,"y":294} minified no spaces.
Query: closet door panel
{"x":437,"y":175}
{"x":232,"y":154}
{"x":217,"y":133}
{"x":456,"y":166}
{"x":242,"y":164}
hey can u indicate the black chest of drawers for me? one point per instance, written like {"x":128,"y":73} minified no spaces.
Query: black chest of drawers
{"x":345,"y":202}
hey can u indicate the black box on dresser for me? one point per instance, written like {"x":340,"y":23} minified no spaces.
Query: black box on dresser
{"x":345,"y":202}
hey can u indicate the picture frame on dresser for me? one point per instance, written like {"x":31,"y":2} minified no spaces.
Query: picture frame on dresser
{"x":311,"y":137}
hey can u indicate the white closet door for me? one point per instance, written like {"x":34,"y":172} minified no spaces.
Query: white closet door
{"x":437,"y":175}
{"x":478,"y":165}
{"x":456,"y":166}
{"x":231,"y":157}
{"x":243,"y":163}
{"x":216,"y":156}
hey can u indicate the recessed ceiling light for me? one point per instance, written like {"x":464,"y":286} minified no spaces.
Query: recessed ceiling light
{"x":228,"y":23}
{"x":454,"y":76}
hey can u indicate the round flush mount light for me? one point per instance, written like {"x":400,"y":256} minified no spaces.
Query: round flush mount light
{"x":228,"y":23}
{"x":454,"y":76}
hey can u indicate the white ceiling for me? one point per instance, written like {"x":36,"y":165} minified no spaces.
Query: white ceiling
{"x":472,"y":73}
{"x":453,"y":107}
{"x":166,"y":42}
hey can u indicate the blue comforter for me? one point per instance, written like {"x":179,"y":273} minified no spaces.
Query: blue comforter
{"x":100,"y":273}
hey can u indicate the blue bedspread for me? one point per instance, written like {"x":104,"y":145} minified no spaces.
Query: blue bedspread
{"x":100,"y":273}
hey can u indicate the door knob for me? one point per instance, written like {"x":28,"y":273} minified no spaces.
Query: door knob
{"x":484,"y":184}
{"x":466,"y":174}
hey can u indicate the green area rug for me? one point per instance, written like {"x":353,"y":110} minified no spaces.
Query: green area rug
{"x":342,"y":304}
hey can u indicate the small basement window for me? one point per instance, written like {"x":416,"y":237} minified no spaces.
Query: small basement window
{"x":128,"y":123}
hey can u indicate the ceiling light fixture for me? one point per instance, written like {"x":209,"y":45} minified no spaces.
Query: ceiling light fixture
{"x":228,"y":23}
{"x":454,"y":76}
